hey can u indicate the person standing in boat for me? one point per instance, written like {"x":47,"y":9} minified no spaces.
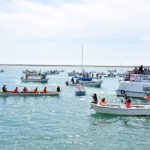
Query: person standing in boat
{"x":95,"y":100}
{"x":4,"y":88}
{"x":77,"y":81}
{"x":72,"y":80}
{"x":141,"y":69}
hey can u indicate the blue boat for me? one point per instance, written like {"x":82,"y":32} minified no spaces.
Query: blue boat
{"x":85,"y":79}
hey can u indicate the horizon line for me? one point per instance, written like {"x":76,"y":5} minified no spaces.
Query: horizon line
{"x":46,"y":65}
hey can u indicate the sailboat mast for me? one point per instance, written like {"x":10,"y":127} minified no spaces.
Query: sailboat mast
{"x":82,"y":59}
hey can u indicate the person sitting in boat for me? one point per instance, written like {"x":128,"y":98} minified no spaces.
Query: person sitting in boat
{"x":103,"y":101}
{"x":147,"y":97}
{"x":16,"y":90}
{"x":128,"y":103}
{"x":44,"y":90}
{"x":58,"y":89}
{"x":94,"y":99}
{"x":4,"y":88}
{"x":35,"y":90}
{"x":25,"y":90}
{"x":126,"y":98}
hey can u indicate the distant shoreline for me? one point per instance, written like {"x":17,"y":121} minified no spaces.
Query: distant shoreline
{"x":41,"y":65}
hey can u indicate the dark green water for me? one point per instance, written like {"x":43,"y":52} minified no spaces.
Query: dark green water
{"x":66,"y":122}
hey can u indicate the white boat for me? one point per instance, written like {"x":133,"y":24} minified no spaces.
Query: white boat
{"x":137,"y":86}
{"x":110,"y":75}
{"x":50,"y":93}
{"x":34,"y":79}
{"x":113,"y":70}
{"x":80,"y":91}
{"x":86,"y":83}
{"x":111,"y":109}
{"x":73,"y":73}
{"x":51,"y":72}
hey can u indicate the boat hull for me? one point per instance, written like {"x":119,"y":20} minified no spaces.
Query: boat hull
{"x":87,"y":83}
{"x":135,"y":110}
{"x":133,"y":89}
{"x":35,"y":80}
{"x":29,"y":94}
{"x":80,"y":93}
{"x":132,"y":94}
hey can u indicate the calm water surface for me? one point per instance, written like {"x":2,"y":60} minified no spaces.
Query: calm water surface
{"x":66,"y":122}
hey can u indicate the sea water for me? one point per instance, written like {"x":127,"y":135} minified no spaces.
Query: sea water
{"x":66,"y":122}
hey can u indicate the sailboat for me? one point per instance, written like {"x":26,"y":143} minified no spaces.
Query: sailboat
{"x":84,"y":77}
{"x":84,"y":80}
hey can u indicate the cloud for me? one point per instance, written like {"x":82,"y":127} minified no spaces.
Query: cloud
{"x":99,"y":24}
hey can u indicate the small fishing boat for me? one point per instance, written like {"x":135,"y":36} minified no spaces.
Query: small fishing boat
{"x":50,"y":93}
{"x":110,"y":75}
{"x":51,"y":72}
{"x":111,"y":109}
{"x":35,"y":78}
{"x":80,"y":91}
{"x":86,"y":83}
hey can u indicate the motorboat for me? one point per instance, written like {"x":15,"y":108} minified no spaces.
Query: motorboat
{"x":80,"y":90}
{"x":34,"y":77}
{"x":116,"y":109}
{"x":50,"y":93}
{"x":51,"y":72}
{"x":110,"y":75}
{"x":134,"y":85}
{"x":73,"y":73}
{"x":86,"y":83}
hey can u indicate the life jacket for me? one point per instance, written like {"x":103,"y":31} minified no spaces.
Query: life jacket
{"x":148,"y":97}
{"x":16,"y":91}
{"x":35,"y":91}
{"x":103,"y":103}
{"x":44,"y":91}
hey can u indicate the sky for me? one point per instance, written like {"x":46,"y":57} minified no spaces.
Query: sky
{"x":52,"y":32}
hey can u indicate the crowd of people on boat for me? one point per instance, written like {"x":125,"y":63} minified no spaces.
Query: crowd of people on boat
{"x":103,"y":101}
{"x":141,"y":70}
{"x":25,"y":90}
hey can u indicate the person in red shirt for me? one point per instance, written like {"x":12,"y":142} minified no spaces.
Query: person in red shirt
{"x":128,"y":103}
{"x":16,"y":90}
{"x":44,"y":90}
{"x":35,"y":90}
{"x":25,"y":90}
